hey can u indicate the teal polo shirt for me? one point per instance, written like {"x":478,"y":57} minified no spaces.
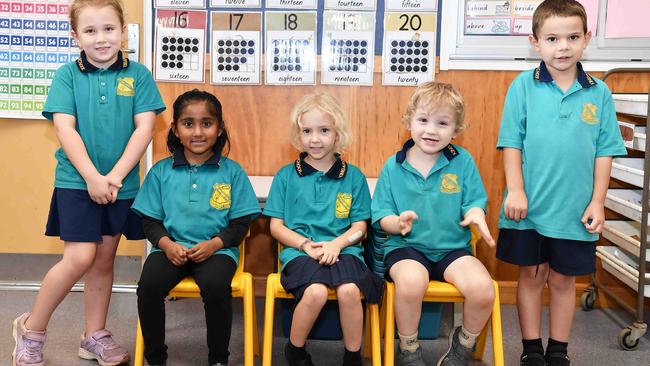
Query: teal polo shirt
{"x":196,"y":202}
{"x":441,"y":200}
{"x":319,"y":205}
{"x":560,"y":134}
{"x":104,"y":102}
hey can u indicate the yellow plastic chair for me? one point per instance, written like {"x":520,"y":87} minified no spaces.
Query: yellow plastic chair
{"x":443,"y":292}
{"x":274,"y":290}
{"x":242,"y":286}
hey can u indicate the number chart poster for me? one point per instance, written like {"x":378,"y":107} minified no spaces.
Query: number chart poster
{"x":180,"y":45}
{"x":236,"y":45}
{"x":291,"y":48}
{"x":34,"y":41}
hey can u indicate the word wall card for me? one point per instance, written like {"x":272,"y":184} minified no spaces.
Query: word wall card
{"x":180,"y":45}
{"x":236,"y":45}
{"x":236,"y":3}
{"x":35,"y":40}
{"x":350,"y":4}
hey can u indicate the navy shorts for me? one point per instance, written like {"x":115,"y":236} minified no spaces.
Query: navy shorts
{"x":530,"y":248}
{"x":436,"y":269}
{"x":75,"y":217}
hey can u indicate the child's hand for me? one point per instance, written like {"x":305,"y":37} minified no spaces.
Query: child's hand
{"x":406,"y":219}
{"x":176,"y":253}
{"x":594,"y":217}
{"x":314,"y":250}
{"x":115,"y":184}
{"x":475,"y":216}
{"x":330,"y":253}
{"x":99,"y":189}
{"x":203,"y":250}
{"x":515,"y":206}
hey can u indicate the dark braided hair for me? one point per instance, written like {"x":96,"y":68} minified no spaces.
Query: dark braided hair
{"x":223,"y":143}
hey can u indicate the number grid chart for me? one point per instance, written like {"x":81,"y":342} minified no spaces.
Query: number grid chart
{"x":35,"y":40}
{"x":347,"y":51}
{"x":236,"y":44}
{"x":409,"y":48}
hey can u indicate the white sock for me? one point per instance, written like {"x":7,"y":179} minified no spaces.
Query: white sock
{"x":466,"y":338}
{"x":408,"y":343}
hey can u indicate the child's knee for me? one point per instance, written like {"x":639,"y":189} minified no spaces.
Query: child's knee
{"x":315,"y":295}
{"x":348,"y":294}
{"x":560,"y":282}
{"x":481,"y":291}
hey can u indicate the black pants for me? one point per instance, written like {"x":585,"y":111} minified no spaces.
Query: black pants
{"x":159,"y":276}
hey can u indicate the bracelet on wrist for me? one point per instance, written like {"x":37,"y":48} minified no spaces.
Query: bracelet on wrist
{"x":301,"y":247}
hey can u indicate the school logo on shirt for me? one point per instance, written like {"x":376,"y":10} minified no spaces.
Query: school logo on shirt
{"x":220,"y":196}
{"x":449,"y":184}
{"x":589,"y":113}
{"x":125,"y":87}
{"x":343,"y":203}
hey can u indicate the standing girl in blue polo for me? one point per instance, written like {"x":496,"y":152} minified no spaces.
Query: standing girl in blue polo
{"x":196,"y":207}
{"x":103,"y":107}
{"x":318,"y":206}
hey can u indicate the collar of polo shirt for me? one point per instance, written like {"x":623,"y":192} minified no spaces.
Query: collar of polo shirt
{"x":337,"y":171}
{"x":179,"y":159}
{"x":122,"y":62}
{"x":542,"y":74}
{"x":449,"y":151}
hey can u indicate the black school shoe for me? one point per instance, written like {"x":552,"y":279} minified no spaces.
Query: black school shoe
{"x":304,"y":362}
{"x":532,"y":359}
{"x":557,"y":359}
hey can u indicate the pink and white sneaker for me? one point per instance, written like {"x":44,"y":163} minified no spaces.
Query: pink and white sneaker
{"x":100,"y":346}
{"x":29,"y":344}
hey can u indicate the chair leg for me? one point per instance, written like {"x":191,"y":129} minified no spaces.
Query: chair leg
{"x":256,"y":335}
{"x":269,"y":312}
{"x":375,"y":337}
{"x":367,"y":346}
{"x":138,"y":357}
{"x":389,"y":326}
{"x":480,"y":342}
{"x":497,"y":335}
{"x":249,"y":324}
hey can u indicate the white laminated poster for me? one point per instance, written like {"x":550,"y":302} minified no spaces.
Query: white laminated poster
{"x":350,"y":4}
{"x":488,"y":8}
{"x":290,"y":48}
{"x":488,"y":26}
{"x":292,"y":4}
{"x":35,"y":41}
{"x":412,"y":5}
{"x":235,"y":47}
{"x":180,"y":45}
{"x":409,"y":48}
{"x":236,"y":3}
{"x":348,"y":48}
{"x":178,"y":4}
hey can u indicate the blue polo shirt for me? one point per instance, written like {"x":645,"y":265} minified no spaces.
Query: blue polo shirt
{"x":319,"y":205}
{"x":560,"y":134}
{"x":104,"y":102}
{"x":196,"y":202}
{"x":441,"y":200}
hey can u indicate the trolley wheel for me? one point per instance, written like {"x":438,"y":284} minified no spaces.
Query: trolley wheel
{"x":588,"y":299}
{"x":625,"y":340}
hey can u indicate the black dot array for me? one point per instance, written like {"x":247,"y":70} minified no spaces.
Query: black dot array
{"x":289,"y":55}
{"x":409,"y":56}
{"x":348,"y":55}
{"x":236,"y":55}
{"x":179,"y":53}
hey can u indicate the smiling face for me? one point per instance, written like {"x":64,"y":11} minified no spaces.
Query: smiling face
{"x":318,"y":137}
{"x":560,"y":42}
{"x":432,"y":130}
{"x":198,"y":129}
{"x":99,"y":34}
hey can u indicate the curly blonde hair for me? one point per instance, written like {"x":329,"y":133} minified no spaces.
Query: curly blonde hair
{"x":434,"y":95}
{"x":327,"y":104}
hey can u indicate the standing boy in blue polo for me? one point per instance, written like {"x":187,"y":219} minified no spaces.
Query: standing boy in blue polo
{"x":558,"y":134}
{"x":426,"y":197}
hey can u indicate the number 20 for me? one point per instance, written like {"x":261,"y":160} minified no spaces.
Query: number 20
{"x":414,"y":22}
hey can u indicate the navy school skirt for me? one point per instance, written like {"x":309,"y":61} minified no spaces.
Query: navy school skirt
{"x":304,"y":271}
{"x":75,"y":217}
